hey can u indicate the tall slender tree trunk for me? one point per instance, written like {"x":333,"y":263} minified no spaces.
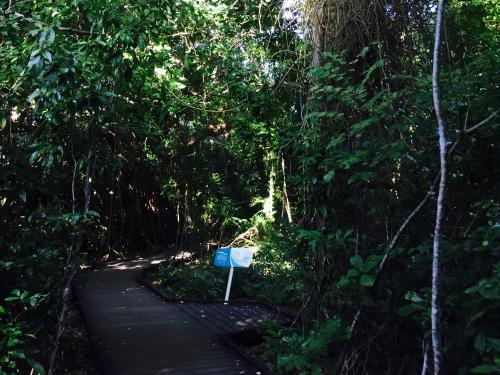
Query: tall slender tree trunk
{"x":76,"y":247}
{"x":9,"y":123}
{"x":286,"y":201}
{"x":111,"y":206}
{"x":269,"y":201}
{"x":318,"y":219}
{"x":318,"y":29}
{"x":436,"y":253}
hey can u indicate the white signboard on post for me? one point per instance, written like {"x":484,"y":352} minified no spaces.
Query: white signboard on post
{"x":231,"y":257}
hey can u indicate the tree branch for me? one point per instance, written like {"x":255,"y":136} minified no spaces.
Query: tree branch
{"x":78,"y":31}
{"x":436,"y":251}
{"x":63,"y":28}
{"x":75,"y":250}
{"x":479,"y":124}
{"x":410,"y":217}
{"x":425,"y":363}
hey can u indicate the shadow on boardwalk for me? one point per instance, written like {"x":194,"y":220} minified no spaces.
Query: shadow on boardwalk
{"x":134,"y":331}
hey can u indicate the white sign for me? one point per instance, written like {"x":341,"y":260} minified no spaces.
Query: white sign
{"x":233,"y":257}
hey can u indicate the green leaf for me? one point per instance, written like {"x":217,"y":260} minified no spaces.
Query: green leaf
{"x":33,"y":95}
{"x":370,"y":263}
{"x":33,"y":61}
{"x":367,"y":280}
{"x":48,"y":56}
{"x":93,"y":213}
{"x":414,"y":297}
{"x":407,"y":310}
{"x":329,"y":176}
{"x":74,"y":219}
{"x":357,"y":261}
{"x":11,"y":342}
{"x":344,"y":280}
{"x":52,"y":35}
{"x":36,"y":366}
{"x":179,"y":85}
{"x":484,"y":369}
{"x":22,"y":195}
{"x":480,"y":344}
{"x":17,"y":354}
{"x":352,"y":273}
{"x":49,"y":161}
{"x":494,"y":343}
{"x":363,"y":52}
{"x":42,"y":36}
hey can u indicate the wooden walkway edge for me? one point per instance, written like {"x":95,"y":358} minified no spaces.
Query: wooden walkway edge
{"x":135,"y":331}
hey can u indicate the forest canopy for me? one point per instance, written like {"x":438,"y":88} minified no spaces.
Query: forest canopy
{"x":142,"y":127}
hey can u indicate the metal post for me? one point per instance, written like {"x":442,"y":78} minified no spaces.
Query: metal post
{"x":229,"y":281}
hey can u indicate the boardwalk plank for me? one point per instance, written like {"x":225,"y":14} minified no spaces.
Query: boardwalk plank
{"x":136,"y":332}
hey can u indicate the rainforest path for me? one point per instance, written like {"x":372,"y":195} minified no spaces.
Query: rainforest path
{"x":135,"y":331}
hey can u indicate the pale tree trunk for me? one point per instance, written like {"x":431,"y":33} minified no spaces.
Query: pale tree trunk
{"x":286,"y":201}
{"x":318,"y":28}
{"x":268,"y":207}
{"x":425,"y":364}
{"x":317,"y":23}
{"x":436,"y":253}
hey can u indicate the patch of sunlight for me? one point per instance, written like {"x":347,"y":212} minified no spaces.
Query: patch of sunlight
{"x":14,"y":115}
{"x":158,"y":47}
{"x":182,"y":255}
{"x":160,"y":72}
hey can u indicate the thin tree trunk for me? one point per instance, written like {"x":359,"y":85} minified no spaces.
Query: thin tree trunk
{"x":269,"y":202}
{"x":119,"y":184}
{"x":178,"y":218}
{"x":9,"y":124}
{"x":436,"y":253}
{"x":318,"y":28}
{"x":425,"y":363}
{"x":405,"y":224}
{"x":76,"y":247}
{"x":286,"y":201}
{"x":61,"y":321}
{"x":187,"y":218}
{"x":110,"y":212}
{"x":319,"y":264}
{"x":388,"y":251}
{"x":151,"y":216}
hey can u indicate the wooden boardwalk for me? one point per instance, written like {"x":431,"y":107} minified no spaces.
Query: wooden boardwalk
{"x":134,"y":331}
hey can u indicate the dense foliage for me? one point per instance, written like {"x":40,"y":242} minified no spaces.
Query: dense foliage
{"x":138,"y":127}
